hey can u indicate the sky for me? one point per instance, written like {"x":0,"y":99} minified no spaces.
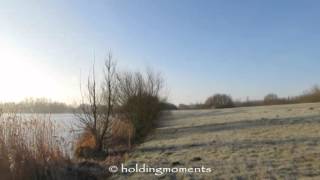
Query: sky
{"x":242,"y":48}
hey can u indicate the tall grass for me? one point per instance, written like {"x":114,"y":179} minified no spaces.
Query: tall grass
{"x":122,"y":134}
{"x":29,"y":149}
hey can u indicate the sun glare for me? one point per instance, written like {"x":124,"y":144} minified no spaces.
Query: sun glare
{"x":21,"y":77}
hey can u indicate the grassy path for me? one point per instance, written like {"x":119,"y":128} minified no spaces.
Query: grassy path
{"x":267,"y":142}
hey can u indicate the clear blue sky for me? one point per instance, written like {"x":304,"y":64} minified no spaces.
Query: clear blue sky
{"x":242,"y":48}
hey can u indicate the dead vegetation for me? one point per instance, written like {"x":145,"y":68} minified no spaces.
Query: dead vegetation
{"x":122,"y":132}
{"x":29,"y":149}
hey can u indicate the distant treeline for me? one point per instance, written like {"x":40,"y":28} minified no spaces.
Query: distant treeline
{"x":226,"y":101}
{"x":37,"y":105}
{"x":310,"y":96}
{"x":44,"y":105}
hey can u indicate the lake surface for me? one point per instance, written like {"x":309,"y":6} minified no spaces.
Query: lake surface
{"x":67,"y":127}
{"x":64,"y":122}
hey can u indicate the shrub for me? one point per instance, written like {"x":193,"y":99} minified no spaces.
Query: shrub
{"x":168,"y":106}
{"x":86,"y":146}
{"x":122,"y":133}
{"x":134,"y":96}
{"x":142,"y":110}
{"x":139,"y":99}
{"x":219,"y":101}
{"x":271,"y":99}
{"x":313,"y":95}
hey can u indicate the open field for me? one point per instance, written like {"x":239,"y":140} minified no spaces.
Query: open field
{"x":267,"y":142}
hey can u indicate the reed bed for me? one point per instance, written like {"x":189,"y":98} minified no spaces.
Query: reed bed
{"x":30,"y":149}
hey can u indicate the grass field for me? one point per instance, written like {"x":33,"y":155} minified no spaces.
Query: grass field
{"x":267,"y":142}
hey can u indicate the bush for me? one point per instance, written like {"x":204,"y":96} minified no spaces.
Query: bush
{"x":122,"y":133}
{"x":168,"y":106}
{"x":86,"y":145}
{"x":139,"y":100}
{"x":142,"y":110}
{"x":219,"y":101}
{"x":312,"y":95}
{"x":133,"y":96}
{"x":271,"y":99}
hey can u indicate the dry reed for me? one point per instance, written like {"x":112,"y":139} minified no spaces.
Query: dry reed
{"x":30,"y":149}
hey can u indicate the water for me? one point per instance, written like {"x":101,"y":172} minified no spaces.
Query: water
{"x":67,"y":127}
{"x":67,"y":124}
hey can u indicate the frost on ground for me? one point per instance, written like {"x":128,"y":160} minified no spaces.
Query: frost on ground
{"x":267,"y":142}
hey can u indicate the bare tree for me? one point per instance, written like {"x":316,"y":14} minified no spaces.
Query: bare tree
{"x":98,"y":102}
{"x":88,"y":115}
{"x":109,"y":99}
{"x":130,"y":97}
